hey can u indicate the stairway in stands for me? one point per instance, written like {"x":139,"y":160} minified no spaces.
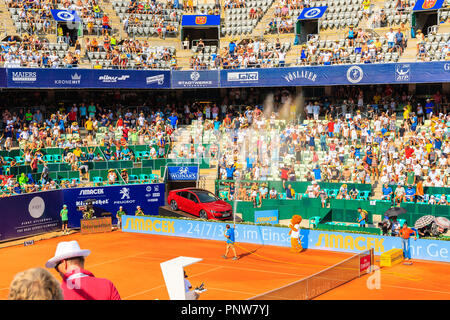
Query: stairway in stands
{"x":8,"y":23}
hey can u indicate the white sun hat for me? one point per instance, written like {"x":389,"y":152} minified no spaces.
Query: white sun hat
{"x":66,"y":250}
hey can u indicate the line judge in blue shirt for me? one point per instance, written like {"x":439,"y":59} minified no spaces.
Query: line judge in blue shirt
{"x":229,"y":235}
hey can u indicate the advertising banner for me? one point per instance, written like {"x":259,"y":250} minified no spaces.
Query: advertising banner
{"x":87,"y":78}
{"x":312,"y":13}
{"x":65,"y":15}
{"x":145,"y":79}
{"x":30,"y":214}
{"x":427,"y":72}
{"x":195,"y":79}
{"x":379,"y":73}
{"x":192,"y":20}
{"x":3,"y":82}
{"x":107,"y":200}
{"x":266,"y":216}
{"x":182,"y":173}
{"x":277,"y":236}
{"x":422,"y":5}
{"x":98,"y":225}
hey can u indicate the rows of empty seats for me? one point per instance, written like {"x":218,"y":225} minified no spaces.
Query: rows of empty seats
{"x":238,"y":20}
{"x":436,"y":47}
{"x":148,"y":19}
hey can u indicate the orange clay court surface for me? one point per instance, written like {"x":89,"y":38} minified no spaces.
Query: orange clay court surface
{"x":132,"y":261}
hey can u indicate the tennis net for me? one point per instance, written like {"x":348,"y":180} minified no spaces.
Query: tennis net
{"x":323,"y":281}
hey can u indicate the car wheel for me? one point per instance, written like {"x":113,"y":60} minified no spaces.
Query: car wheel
{"x":174,"y":205}
{"x":203,"y":215}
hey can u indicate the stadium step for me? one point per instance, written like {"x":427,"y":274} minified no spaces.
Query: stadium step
{"x":8,"y":27}
{"x":258,"y":31}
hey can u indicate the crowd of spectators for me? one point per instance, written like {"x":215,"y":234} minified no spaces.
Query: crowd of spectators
{"x":359,"y":141}
{"x":250,"y":53}
{"x":75,"y":129}
{"x":129,"y":52}
{"x":31,"y":51}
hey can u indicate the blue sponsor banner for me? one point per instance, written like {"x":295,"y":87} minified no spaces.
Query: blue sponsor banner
{"x":277,"y":236}
{"x":3,"y":82}
{"x":195,"y":79}
{"x":30,"y":214}
{"x":145,"y":79}
{"x":422,"y":5}
{"x":108,"y":200}
{"x":182,"y":173}
{"x":65,"y":15}
{"x":200,"y":20}
{"x":312,"y":13}
{"x":87,"y":78}
{"x":415,"y":72}
{"x":429,"y":72}
{"x":266,"y":216}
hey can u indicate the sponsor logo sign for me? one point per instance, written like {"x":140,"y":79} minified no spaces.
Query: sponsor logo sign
{"x":243,"y":76}
{"x":96,"y":225}
{"x":355,"y":74}
{"x":402,"y":72}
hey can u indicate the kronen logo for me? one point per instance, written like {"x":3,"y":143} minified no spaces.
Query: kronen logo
{"x":24,"y":76}
{"x":112,"y":79}
{"x":143,"y":224}
{"x":88,"y":192}
{"x":75,"y":79}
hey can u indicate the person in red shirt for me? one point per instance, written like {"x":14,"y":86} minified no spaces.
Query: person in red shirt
{"x":78,"y":283}
{"x":125,"y":131}
{"x":105,"y":24}
{"x":331,"y":128}
{"x":408,"y":151}
{"x":405,"y":233}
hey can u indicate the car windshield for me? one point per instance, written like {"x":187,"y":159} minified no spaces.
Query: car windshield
{"x":205,"y":197}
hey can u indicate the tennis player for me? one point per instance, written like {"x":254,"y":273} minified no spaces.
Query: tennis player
{"x":229,"y":235}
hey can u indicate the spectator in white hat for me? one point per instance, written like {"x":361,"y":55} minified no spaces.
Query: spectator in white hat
{"x":78,"y":283}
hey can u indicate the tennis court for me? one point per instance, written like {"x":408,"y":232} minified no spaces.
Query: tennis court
{"x":132,"y":261}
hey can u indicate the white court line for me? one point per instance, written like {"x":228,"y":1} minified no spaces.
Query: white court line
{"x":240,"y":268}
{"x":162,"y":286}
{"x":417,"y":289}
{"x":117,"y":259}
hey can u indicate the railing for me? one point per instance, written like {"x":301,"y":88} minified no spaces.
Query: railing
{"x":206,"y":41}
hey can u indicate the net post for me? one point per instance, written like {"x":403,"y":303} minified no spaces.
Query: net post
{"x":372,"y":259}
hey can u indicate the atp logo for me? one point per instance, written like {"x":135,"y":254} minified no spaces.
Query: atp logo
{"x":355,"y":74}
{"x":125,"y":192}
{"x":402,"y":72}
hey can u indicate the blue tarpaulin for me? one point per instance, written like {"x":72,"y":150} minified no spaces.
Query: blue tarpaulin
{"x":422,"y":5}
{"x":312,"y":13}
{"x":65,"y":15}
{"x":200,"y":20}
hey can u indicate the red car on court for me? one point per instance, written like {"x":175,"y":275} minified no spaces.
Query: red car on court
{"x":201,"y":203}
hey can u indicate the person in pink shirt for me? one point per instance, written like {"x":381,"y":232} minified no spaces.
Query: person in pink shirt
{"x":78,"y":283}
